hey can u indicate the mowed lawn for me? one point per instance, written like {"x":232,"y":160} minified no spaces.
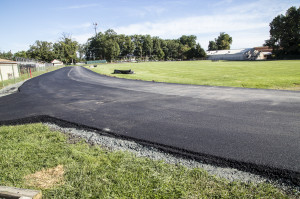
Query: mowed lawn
{"x":248,"y":74}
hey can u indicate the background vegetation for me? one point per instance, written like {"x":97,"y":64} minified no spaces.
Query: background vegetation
{"x":285,"y":35}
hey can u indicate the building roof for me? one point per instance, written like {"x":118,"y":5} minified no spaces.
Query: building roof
{"x":263,"y":49}
{"x":5,"y":61}
{"x":228,"y":52}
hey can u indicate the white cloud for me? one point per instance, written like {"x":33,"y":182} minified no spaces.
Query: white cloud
{"x":246,"y":22}
{"x":82,"y":38}
{"x":194,"y":25}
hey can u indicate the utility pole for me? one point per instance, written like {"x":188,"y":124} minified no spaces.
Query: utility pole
{"x":95,"y":27}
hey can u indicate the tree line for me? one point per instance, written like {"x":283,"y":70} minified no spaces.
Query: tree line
{"x":65,"y":50}
{"x":111,"y":46}
{"x":284,"y":40}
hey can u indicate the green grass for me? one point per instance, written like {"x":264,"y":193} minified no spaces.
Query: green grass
{"x":25,"y":76}
{"x":249,"y":74}
{"x":92,"y":172}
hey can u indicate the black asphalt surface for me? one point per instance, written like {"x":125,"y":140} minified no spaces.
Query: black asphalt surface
{"x":251,"y":129}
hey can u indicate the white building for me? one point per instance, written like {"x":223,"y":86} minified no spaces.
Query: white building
{"x":8,"y":69}
{"x":235,"y":55}
{"x":56,"y":62}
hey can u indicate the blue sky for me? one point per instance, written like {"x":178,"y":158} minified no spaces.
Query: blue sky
{"x":25,"y":21}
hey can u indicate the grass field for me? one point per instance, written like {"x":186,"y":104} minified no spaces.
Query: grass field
{"x":248,"y":74}
{"x":32,"y":156}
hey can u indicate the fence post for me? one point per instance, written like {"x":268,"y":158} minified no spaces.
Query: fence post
{"x":12,"y":66}
{"x":1,"y":78}
{"x":19,"y":73}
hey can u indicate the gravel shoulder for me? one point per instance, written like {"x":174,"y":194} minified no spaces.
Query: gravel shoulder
{"x":116,"y":144}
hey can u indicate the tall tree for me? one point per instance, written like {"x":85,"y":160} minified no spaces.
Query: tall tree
{"x":41,"y":51}
{"x":111,"y":46}
{"x":6,"y":55}
{"x":22,"y":54}
{"x":190,"y":40}
{"x":285,"y":34}
{"x":223,"y":42}
{"x":81,"y":51}
{"x":95,"y":47}
{"x":66,"y":49}
{"x":212,"y":45}
{"x":199,"y":52}
{"x":147,"y":45}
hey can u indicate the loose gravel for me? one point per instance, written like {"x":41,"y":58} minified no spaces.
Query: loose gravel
{"x":116,"y":144}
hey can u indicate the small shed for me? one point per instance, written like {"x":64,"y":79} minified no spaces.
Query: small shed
{"x":8,"y":69}
{"x":56,"y":62}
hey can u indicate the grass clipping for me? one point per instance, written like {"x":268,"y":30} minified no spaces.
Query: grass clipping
{"x":46,"y":178}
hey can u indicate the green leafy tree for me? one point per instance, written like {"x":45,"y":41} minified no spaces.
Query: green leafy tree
{"x":112,"y":50}
{"x":22,"y":54}
{"x":212,"y":45}
{"x":6,"y":55}
{"x":223,"y":42}
{"x":66,"y":49}
{"x":285,"y":34}
{"x":147,"y":45}
{"x":157,"y":50}
{"x":111,"y":46}
{"x":190,"y":40}
{"x":126,"y":45}
{"x":199,"y":52}
{"x":95,"y":47}
{"x":173,"y":49}
{"x":41,"y":51}
{"x":81,"y":51}
{"x":138,"y":41}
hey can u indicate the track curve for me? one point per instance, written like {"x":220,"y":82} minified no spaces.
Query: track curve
{"x":251,"y":129}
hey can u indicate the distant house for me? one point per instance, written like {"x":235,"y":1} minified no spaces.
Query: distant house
{"x":8,"y":69}
{"x":265,"y":50}
{"x":235,"y":55}
{"x":56,"y":62}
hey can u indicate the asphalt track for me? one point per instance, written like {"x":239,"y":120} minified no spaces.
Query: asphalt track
{"x":253,"y":130}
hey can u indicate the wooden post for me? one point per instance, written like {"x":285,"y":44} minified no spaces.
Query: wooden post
{"x":13,"y":192}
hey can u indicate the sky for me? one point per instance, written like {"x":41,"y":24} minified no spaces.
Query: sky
{"x":247,"y":21}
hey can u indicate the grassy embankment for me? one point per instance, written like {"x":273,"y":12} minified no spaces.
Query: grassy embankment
{"x":32,"y":156}
{"x":25,"y":76}
{"x":248,"y":74}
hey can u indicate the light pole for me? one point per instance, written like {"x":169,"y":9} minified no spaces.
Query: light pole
{"x":95,"y":27}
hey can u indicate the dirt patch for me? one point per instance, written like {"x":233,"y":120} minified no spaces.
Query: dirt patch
{"x":46,"y":178}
